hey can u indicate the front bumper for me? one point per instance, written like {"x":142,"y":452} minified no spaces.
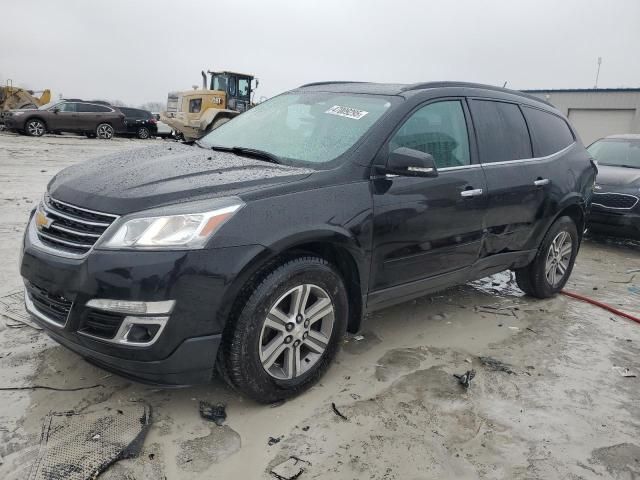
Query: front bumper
{"x":200,"y":282}
{"x":615,"y":223}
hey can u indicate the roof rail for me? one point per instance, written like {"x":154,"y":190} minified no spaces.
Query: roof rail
{"x":330,"y":82}
{"x":425,"y":85}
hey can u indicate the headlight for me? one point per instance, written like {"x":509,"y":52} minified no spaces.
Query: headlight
{"x":180,"y":230}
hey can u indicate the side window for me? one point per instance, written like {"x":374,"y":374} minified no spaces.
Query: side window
{"x":84,"y":107}
{"x":243,"y":87}
{"x":67,"y":107}
{"x":195,"y":105}
{"x":502,"y":131}
{"x":439,"y":129}
{"x":549,"y":133}
{"x":233,"y":91}
{"x":101,"y":109}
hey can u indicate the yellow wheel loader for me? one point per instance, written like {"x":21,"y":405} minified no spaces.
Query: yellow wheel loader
{"x":224,"y":95}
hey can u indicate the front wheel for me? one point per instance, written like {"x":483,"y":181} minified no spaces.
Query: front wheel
{"x":550,"y":269}
{"x":104,"y":131}
{"x":287,"y":332}
{"x":35,"y":128}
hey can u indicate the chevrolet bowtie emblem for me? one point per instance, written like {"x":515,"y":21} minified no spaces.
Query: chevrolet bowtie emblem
{"x":42,"y":221}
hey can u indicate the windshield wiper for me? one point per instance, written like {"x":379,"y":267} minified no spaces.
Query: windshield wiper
{"x":252,"y":152}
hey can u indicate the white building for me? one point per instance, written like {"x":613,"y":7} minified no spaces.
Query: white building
{"x":596,"y":113}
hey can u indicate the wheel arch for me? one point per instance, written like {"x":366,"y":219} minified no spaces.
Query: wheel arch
{"x":36,"y":117}
{"x":339,"y":254}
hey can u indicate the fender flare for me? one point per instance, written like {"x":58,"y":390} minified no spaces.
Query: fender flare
{"x":210,"y":116}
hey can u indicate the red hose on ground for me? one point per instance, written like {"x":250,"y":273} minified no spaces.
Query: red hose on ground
{"x":601,"y":305}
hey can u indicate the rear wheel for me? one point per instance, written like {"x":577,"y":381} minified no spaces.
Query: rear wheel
{"x":143,"y":133}
{"x":35,"y":128}
{"x":287,"y":331}
{"x":104,"y":131}
{"x":219,"y":122}
{"x":549,"y":271}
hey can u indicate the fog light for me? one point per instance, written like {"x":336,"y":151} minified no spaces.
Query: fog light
{"x":142,"y":333}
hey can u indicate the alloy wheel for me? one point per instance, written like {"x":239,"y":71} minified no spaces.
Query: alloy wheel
{"x":558,"y":258}
{"x":105,"y":131}
{"x":35,"y":128}
{"x":296,"y":331}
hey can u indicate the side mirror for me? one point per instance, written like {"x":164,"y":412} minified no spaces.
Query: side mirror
{"x":408,"y":162}
{"x":56,"y":110}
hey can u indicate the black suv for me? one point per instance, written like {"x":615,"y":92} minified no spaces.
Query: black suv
{"x":141,"y":123}
{"x":256,"y":248}
{"x":92,"y":118}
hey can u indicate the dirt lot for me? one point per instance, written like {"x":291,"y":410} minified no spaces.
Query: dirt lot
{"x":546,"y":402}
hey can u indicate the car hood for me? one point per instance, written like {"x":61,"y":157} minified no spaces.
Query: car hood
{"x":162,"y":175}
{"x":618,"y":176}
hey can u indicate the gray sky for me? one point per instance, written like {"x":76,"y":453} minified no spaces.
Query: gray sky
{"x":137,"y":51}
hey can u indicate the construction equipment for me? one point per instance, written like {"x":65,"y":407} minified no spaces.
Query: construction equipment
{"x":15,"y":97}
{"x":224,"y":95}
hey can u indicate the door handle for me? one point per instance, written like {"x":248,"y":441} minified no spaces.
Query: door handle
{"x":471,"y":193}
{"x":541,"y":182}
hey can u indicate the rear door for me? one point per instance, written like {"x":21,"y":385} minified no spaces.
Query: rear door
{"x":426,"y":227}
{"x":517,"y":183}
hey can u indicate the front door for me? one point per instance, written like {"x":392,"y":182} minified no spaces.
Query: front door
{"x":66,"y":117}
{"x":425,"y":228}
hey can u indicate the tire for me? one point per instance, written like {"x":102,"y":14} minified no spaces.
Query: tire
{"x":257,"y":355}
{"x":218,"y":122}
{"x":143,"y":133}
{"x":104,"y":131}
{"x":35,"y":127}
{"x":551,"y":268}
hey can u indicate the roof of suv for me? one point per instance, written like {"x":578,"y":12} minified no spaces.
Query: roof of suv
{"x":400,"y":88}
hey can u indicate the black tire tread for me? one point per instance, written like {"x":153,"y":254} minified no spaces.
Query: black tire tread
{"x":231,"y":355}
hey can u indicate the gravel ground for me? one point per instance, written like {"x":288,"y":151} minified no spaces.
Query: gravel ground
{"x":546,"y":402}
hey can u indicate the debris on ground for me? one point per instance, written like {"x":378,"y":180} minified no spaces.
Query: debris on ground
{"x":274,"y":440}
{"x":358,"y":338}
{"x":55,"y":389}
{"x":465,"y":378}
{"x":337,"y":412}
{"x":213,"y":413}
{"x":625,"y":372}
{"x":290,"y":469}
{"x":80,"y":446}
{"x":12,"y":307}
{"x":496,"y":365}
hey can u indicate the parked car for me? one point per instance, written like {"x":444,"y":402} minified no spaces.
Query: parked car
{"x":616,"y":206}
{"x":94,"y":119}
{"x":164,"y":130}
{"x":257,"y":247}
{"x":140,"y":123}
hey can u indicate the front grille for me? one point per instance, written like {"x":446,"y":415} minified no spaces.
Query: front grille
{"x":55,"y":307}
{"x":619,"y":201}
{"x":72,"y":228}
{"x":101,"y":324}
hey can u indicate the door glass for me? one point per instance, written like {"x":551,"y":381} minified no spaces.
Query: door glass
{"x":195,"y":105}
{"x":67,"y":107}
{"x":439,"y":129}
{"x":243,"y":87}
{"x":502,"y":131}
{"x":84,"y":107}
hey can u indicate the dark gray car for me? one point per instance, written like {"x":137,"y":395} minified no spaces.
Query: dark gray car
{"x":93,"y":119}
{"x":616,"y":200}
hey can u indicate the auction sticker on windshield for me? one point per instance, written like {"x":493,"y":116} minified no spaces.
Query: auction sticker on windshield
{"x":347,"y":112}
